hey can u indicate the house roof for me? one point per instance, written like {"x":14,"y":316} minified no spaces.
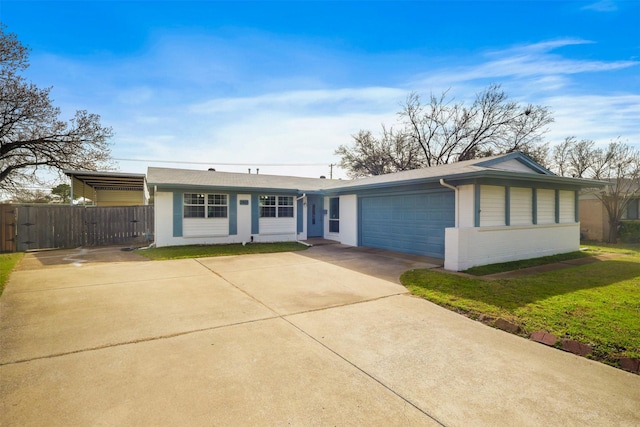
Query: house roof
{"x":505,"y":166}
{"x":510,"y":166}
{"x":169,"y":177}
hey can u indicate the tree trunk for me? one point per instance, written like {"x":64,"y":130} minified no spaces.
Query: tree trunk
{"x":613,"y":232}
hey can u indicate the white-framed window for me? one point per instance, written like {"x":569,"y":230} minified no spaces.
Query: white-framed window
{"x":334,"y":215}
{"x":276,"y":206}
{"x":198,"y":205}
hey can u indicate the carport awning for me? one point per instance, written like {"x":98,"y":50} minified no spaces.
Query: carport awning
{"x":109,"y":180}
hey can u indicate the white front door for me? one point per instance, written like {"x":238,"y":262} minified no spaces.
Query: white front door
{"x":244,"y":217}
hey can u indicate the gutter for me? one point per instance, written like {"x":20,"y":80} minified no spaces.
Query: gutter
{"x":457,"y":201}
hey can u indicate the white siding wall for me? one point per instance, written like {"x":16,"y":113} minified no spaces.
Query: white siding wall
{"x":163,"y":219}
{"x":349,"y":220}
{"x":348,"y":234}
{"x":492,"y":205}
{"x":546,"y":206}
{"x":205,"y":227}
{"x":197,"y":231}
{"x":469,"y":247}
{"x":466,"y":206}
{"x":270,"y":226}
{"x":163,"y":211}
{"x":278,"y":229}
{"x":567,"y":207}
{"x":521,"y":206}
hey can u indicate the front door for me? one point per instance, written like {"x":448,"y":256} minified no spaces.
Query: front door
{"x":315,"y":216}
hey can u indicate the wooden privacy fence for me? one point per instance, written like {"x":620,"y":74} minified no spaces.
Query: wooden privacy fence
{"x":26,"y":227}
{"x":7,"y":228}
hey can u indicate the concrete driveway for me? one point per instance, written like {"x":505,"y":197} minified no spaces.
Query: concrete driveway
{"x":104,"y":337}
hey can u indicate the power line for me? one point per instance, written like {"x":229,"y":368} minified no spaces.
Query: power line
{"x":217,"y":163}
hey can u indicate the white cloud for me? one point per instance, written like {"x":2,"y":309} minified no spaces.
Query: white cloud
{"x":135,"y":95}
{"x":600,"y":118}
{"x":602,"y":6}
{"x":527,"y":61}
{"x":262,"y":140}
{"x":367,"y":98}
{"x":203,"y":99}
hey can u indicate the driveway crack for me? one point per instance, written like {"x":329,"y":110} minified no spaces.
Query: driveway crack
{"x":137,"y":341}
{"x":364,"y":372}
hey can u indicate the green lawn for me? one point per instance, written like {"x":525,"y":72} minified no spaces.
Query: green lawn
{"x":526,"y":263}
{"x":201,"y":251}
{"x":596,"y":304}
{"x":7,"y":262}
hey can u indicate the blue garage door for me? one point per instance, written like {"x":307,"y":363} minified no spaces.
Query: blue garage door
{"x":412,"y":223}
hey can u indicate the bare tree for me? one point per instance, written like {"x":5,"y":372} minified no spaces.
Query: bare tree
{"x":445,"y":131}
{"x":26,"y":195}
{"x":32,"y":137}
{"x":574,"y":158}
{"x":617,"y":163}
{"x":538,"y":152}
{"x":560,"y":157}
{"x":390,"y":152}
{"x":448,"y":131}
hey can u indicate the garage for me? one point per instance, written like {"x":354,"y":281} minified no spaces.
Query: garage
{"x":412,"y":223}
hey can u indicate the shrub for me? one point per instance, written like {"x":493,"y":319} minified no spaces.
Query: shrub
{"x":629,"y":232}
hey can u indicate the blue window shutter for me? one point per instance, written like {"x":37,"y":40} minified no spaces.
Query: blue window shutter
{"x":255,"y":214}
{"x":177,"y":214}
{"x":507,"y":205}
{"x":300,"y":218}
{"x":476,"y":217}
{"x":557,"y":206}
{"x":233,"y":214}
{"x":534,"y":205}
{"x":576,"y":200}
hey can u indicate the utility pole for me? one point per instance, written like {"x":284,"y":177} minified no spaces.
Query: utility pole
{"x":331,"y":170}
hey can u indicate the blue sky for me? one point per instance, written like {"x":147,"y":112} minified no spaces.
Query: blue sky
{"x":270,"y":83}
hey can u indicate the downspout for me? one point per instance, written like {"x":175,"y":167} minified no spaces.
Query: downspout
{"x":457,"y":198}
{"x":298,"y":241}
{"x":155,"y":221}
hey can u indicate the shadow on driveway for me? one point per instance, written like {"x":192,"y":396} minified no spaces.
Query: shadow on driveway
{"x":78,"y":256}
{"x":379,"y":263}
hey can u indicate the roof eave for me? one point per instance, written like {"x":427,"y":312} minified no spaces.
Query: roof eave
{"x":470,"y":176}
{"x":578,"y":182}
{"x":229,"y":188}
{"x":454,"y":179}
{"x":70,"y":172}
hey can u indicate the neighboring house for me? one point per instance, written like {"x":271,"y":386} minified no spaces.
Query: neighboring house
{"x":109,"y":188}
{"x":594,"y":219}
{"x":470,"y":213}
